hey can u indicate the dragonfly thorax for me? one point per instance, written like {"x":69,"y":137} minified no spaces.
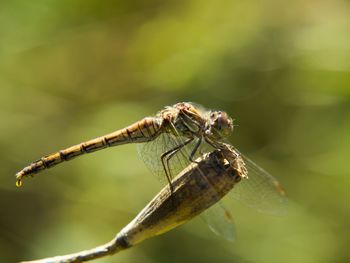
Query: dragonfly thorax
{"x":186,"y":127}
{"x":182,"y":119}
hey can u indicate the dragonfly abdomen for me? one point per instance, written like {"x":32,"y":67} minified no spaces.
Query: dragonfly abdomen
{"x":142,"y":131}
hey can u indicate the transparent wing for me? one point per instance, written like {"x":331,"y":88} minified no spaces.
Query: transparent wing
{"x":152,"y":151}
{"x":260,"y":190}
{"x":220,"y":221}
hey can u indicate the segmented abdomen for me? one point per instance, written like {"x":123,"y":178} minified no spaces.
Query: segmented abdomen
{"x":142,"y":131}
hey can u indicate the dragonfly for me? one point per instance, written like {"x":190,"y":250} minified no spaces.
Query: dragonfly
{"x":168,"y":142}
{"x":178,"y":122}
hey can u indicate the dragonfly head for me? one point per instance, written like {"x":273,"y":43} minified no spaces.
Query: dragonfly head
{"x":221,"y":124}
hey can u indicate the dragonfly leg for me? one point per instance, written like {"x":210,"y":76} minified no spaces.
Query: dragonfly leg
{"x":201,"y":130}
{"x":218,"y":145}
{"x":165,"y":158}
{"x":175,"y":150}
{"x":195,"y":149}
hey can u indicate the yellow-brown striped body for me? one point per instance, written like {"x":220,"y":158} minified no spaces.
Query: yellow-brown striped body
{"x":182,"y":119}
{"x":142,"y":131}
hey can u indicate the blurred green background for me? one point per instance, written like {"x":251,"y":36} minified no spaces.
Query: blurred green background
{"x":74,"y":70}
